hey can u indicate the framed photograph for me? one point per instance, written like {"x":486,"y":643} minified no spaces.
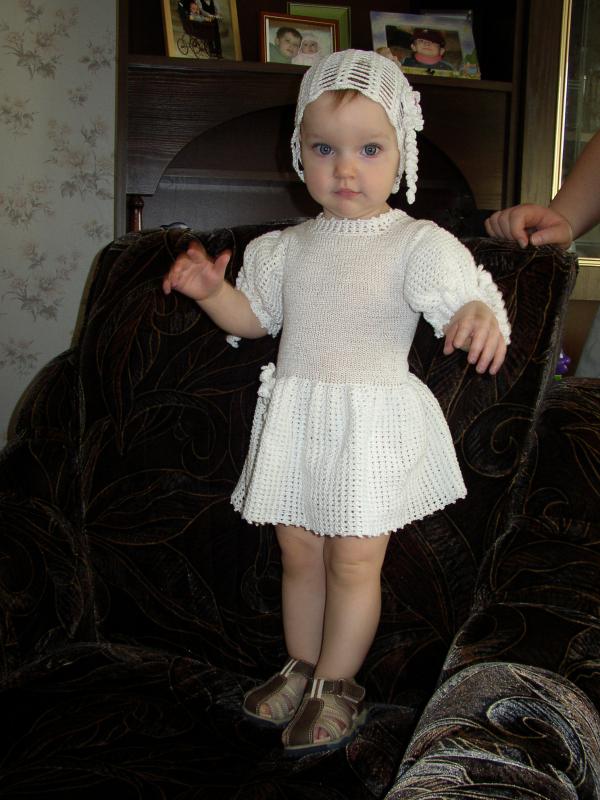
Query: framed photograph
{"x":288,"y":39}
{"x":339,"y":13}
{"x":202,"y":29}
{"x":427,"y":44}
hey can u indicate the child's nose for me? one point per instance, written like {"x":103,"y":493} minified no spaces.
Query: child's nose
{"x":344,"y":165}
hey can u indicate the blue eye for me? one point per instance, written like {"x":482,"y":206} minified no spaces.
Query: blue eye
{"x":371,"y":149}
{"x":323,"y":149}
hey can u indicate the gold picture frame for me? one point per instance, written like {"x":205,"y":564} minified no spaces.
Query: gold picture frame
{"x":577,"y":120}
{"x":202,"y":29}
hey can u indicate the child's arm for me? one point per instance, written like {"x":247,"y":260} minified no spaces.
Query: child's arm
{"x":474,"y":328}
{"x":201,"y":278}
{"x":458,"y":298}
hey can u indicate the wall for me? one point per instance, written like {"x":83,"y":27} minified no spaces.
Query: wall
{"x":57,"y":123}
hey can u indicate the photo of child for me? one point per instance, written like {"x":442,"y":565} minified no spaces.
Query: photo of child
{"x":310,"y":50}
{"x":297,"y":40}
{"x":426,"y":44}
{"x":285,"y":45}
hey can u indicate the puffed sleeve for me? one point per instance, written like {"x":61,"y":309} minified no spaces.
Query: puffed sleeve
{"x":442,"y":276}
{"x":260,"y":279}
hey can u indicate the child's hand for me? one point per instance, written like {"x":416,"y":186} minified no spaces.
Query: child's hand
{"x":195,"y":274}
{"x":474,"y":328}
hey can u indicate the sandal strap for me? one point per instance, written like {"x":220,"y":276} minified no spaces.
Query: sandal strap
{"x":342,"y":688}
{"x":297,"y":666}
{"x":263,"y":693}
{"x":301,"y":731}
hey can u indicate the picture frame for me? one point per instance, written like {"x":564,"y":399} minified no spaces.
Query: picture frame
{"x":447,"y":50}
{"x":193,"y":31}
{"x":339,"y":13}
{"x":282,"y":37}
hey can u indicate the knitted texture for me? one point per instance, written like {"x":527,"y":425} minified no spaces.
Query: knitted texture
{"x":345,"y":440}
{"x":379,"y":79}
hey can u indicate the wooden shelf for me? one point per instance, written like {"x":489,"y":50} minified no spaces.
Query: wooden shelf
{"x":166,"y":104}
{"x":218,"y":67}
{"x":172,"y":101}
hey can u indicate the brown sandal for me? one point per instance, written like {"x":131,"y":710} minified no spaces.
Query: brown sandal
{"x":335,"y":706}
{"x":281,"y":695}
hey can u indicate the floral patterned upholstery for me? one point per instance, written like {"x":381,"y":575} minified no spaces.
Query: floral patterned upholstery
{"x":137,"y":607}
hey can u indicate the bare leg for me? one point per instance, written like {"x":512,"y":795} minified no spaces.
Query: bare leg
{"x":352,"y":611}
{"x":302,"y":591}
{"x":303,"y":604}
{"x":353,"y":569}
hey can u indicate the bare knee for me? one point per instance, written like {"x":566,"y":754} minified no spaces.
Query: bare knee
{"x":352,"y":561}
{"x":301,"y":550}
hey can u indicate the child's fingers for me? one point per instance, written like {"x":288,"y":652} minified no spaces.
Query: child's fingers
{"x":222,"y":260}
{"x":449,"y":341}
{"x":195,"y":252}
{"x":492,"y":354}
{"x":478,"y":344}
{"x":459,"y":336}
{"x":485,"y":355}
{"x":499,"y":356}
{"x":174,"y":276}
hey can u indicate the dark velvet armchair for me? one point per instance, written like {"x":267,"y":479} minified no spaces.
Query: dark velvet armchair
{"x":137,"y":607}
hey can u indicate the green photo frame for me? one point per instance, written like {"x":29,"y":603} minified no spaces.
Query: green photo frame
{"x":339,"y":13}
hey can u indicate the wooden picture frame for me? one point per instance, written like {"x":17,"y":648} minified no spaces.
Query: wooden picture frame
{"x":192,"y":31}
{"x":427,"y":44}
{"x":339,"y":13}
{"x":282,"y":37}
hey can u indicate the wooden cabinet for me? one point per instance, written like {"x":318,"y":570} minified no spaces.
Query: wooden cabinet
{"x":208,"y":140}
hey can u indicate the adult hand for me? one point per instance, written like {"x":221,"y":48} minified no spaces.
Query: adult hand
{"x":530,"y":223}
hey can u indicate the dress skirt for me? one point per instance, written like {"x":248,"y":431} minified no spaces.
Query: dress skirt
{"x":346,"y":459}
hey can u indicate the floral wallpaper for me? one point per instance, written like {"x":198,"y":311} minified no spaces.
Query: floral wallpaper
{"x":57,"y":124}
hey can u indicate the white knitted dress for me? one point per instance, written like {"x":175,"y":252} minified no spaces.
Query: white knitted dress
{"x":345,"y":440}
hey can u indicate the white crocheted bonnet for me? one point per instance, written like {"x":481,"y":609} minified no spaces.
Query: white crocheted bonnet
{"x":380,"y":79}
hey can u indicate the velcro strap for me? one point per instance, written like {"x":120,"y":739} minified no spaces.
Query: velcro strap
{"x":299,"y":667}
{"x":349,"y":690}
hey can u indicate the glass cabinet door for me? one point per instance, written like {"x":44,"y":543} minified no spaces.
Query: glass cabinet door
{"x":579,"y":104}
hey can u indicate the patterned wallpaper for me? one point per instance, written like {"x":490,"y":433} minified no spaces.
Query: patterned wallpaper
{"x":57,"y":124}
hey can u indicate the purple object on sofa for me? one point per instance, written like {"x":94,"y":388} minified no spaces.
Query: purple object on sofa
{"x":137,"y":607}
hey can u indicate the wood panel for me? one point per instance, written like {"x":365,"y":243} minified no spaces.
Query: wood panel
{"x":472,"y":128}
{"x":171,"y":103}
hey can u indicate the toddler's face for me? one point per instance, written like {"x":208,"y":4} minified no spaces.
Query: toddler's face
{"x":309,"y":46}
{"x":349,"y":154}
{"x":288,"y":44}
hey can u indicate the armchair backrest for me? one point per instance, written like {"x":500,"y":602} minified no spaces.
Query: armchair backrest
{"x":165,"y":410}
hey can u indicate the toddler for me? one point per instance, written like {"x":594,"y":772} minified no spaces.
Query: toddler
{"x":310,"y":50}
{"x":347,"y":446}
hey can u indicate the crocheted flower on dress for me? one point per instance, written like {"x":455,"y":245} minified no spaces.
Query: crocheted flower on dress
{"x":267,"y":380}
